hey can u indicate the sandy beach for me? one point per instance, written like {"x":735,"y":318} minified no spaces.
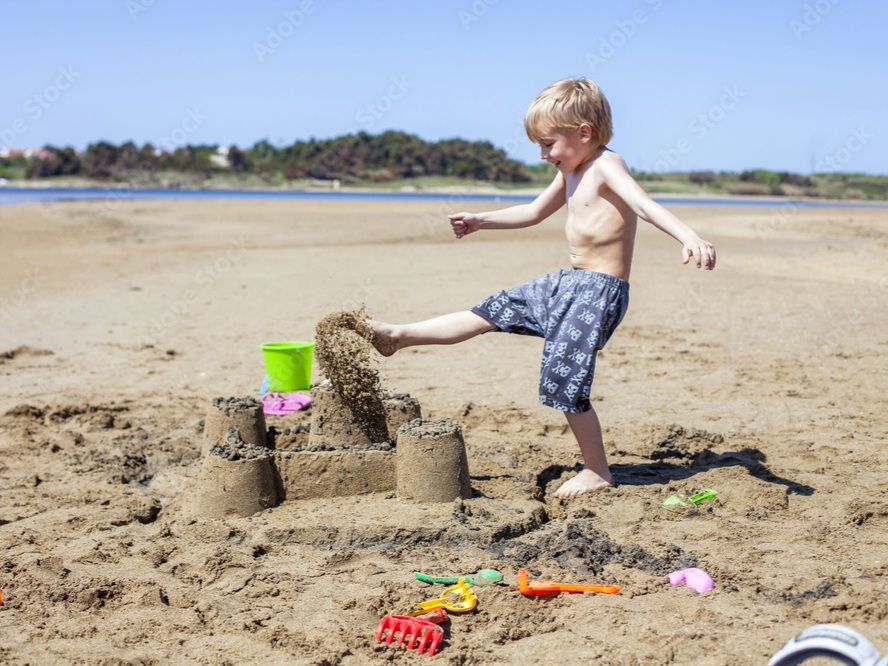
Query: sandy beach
{"x":764,"y":380}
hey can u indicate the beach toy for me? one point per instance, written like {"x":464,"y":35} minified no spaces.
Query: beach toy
{"x":423,"y":630}
{"x":829,"y":640}
{"x":284,"y":403}
{"x":702,"y":496}
{"x":288,"y":365}
{"x":481,"y":579}
{"x":538,"y":587}
{"x":457,"y":599}
{"x":694,"y":578}
{"x":676,"y":503}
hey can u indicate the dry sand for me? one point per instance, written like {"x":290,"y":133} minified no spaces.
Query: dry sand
{"x":765,"y":380}
{"x":344,"y":358}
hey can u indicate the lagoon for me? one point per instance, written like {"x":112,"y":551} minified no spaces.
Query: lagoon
{"x":18,"y":195}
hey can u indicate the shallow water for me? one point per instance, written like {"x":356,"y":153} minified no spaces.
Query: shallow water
{"x":16,"y":195}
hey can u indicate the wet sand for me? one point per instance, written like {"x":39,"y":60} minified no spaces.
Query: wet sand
{"x":120,"y":323}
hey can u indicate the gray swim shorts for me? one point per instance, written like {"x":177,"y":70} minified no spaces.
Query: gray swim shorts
{"x":575,"y":312}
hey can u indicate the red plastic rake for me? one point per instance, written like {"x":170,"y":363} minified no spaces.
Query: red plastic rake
{"x":423,"y":631}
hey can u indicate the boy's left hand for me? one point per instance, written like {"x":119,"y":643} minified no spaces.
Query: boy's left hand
{"x":702,"y":251}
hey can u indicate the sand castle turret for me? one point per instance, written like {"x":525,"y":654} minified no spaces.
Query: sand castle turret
{"x":236,"y":479}
{"x":431,"y":463}
{"x":334,"y":424}
{"x":243,"y":414}
{"x":400,"y":409}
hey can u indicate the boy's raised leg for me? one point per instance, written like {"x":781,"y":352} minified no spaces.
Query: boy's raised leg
{"x":595,"y":474}
{"x":444,"y":330}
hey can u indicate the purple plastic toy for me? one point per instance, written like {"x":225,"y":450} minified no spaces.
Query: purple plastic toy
{"x":694,"y":578}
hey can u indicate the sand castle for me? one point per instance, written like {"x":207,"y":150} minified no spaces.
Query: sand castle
{"x":361,"y":441}
{"x":241,"y":474}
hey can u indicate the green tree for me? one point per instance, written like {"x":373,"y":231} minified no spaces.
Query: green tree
{"x":239,"y":160}
{"x":60,"y":162}
{"x":100,"y":160}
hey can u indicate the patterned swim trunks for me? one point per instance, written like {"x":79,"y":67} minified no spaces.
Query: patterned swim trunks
{"x":575,"y":312}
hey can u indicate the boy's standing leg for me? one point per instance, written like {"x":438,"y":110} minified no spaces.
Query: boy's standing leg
{"x":595,"y":474}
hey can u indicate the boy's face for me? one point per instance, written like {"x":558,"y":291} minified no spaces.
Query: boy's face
{"x":567,"y":149}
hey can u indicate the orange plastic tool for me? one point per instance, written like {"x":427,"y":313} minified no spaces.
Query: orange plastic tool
{"x":530,"y":587}
{"x":423,"y":631}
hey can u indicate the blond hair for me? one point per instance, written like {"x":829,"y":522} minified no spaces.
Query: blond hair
{"x":567,"y":104}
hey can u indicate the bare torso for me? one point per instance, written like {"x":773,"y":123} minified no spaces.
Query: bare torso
{"x":600,"y":226}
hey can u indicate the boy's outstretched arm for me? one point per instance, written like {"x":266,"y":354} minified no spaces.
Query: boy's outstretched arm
{"x":513,"y":217}
{"x":615,"y":174}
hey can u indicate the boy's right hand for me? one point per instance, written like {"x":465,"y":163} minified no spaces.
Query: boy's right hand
{"x":464,"y":223}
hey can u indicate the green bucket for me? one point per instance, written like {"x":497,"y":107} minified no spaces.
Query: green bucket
{"x":288,"y":365}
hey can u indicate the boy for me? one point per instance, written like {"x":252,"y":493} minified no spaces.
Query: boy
{"x":577,"y":310}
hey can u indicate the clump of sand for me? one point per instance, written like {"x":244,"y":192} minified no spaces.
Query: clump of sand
{"x":343,"y":351}
{"x":234,"y":405}
{"x":235,"y":448}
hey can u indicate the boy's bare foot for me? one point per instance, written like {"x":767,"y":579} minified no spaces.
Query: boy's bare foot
{"x":380,"y":336}
{"x":586,"y":481}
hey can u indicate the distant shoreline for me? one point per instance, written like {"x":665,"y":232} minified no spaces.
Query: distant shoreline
{"x":399,"y":188}
{"x":50,"y":193}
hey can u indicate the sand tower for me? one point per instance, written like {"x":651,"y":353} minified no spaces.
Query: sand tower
{"x":243,"y":414}
{"x":431,"y":463}
{"x":400,"y":409}
{"x":237,"y":479}
{"x":335,"y":425}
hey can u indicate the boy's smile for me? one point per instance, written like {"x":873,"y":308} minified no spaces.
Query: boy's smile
{"x":567,"y":149}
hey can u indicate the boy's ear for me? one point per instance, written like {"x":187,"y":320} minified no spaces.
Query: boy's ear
{"x":585,"y":132}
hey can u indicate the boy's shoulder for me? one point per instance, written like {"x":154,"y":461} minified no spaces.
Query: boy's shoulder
{"x":609,"y":157}
{"x":606,"y":162}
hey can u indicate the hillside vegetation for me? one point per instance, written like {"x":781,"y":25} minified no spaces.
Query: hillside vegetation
{"x":387,"y":160}
{"x":351,"y":158}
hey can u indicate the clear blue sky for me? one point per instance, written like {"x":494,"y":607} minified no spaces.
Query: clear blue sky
{"x":793,"y":85}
